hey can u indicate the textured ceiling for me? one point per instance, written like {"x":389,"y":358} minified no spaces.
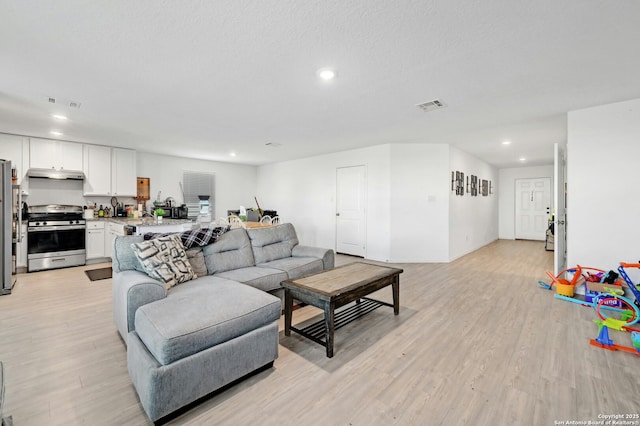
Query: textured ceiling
{"x":205,"y":78}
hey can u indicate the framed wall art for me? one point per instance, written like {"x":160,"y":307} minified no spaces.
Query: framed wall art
{"x":459,"y":183}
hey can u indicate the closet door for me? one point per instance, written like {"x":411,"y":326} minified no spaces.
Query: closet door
{"x":350,"y":210}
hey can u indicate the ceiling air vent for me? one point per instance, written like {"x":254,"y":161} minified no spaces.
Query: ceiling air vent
{"x":431,"y":105}
{"x":63,"y":102}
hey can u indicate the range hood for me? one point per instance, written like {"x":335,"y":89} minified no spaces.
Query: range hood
{"x":55,"y":174}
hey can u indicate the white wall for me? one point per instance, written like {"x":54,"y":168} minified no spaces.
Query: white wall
{"x":603,"y":205}
{"x":507,"y":199}
{"x":304,"y":191}
{"x":409,"y":206}
{"x":235,"y":184}
{"x":419,"y":203}
{"x":473,"y":221}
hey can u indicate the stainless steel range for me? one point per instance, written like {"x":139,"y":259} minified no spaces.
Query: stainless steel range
{"x":56,"y":237}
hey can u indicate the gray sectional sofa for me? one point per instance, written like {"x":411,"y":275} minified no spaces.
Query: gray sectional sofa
{"x":198,"y":336}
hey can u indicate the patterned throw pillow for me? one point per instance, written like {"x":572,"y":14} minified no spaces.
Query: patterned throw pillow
{"x":194,"y":237}
{"x":164,"y":259}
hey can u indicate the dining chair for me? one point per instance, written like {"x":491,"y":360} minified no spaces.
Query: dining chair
{"x":266,"y":219}
{"x":275,"y":220}
{"x":236,"y":222}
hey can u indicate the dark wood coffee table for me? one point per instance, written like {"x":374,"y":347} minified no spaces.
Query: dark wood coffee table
{"x":334,"y":288}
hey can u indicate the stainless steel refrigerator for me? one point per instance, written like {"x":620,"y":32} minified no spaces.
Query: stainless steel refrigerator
{"x":10,"y":223}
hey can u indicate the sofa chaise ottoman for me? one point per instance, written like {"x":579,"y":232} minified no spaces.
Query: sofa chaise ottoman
{"x":212,"y":334}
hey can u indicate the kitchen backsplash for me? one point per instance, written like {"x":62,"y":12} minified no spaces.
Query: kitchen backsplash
{"x":52,"y":191}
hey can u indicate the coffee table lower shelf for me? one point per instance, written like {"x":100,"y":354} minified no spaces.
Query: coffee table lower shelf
{"x":343,"y":316}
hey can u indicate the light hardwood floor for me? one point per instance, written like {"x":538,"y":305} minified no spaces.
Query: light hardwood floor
{"x":477,"y":342}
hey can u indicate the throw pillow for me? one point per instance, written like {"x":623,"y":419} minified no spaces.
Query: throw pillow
{"x":194,"y":237}
{"x":196,"y":259}
{"x":164,"y":259}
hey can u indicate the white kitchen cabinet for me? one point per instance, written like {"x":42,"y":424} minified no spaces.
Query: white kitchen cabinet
{"x":109,"y":171}
{"x":95,"y":237}
{"x":21,"y":248}
{"x":112,"y":230}
{"x":16,"y":149}
{"x":52,"y":154}
{"x":123,"y":172}
{"x":97,"y":170}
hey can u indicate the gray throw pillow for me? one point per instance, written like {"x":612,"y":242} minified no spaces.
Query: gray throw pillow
{"x":165,"y":259}
{"x":196,"y":259}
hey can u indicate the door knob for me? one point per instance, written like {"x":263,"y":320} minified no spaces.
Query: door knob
{"x":337,"y":214}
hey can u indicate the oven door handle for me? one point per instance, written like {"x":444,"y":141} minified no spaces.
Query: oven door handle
{"x":55,"y":228}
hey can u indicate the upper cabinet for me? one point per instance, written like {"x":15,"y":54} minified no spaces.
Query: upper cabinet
{"x":123,"y":172}
{"x":16,"y":149}
{"x":97,"y":170}
{"x":52,"y":154}
{"x":109,"y":171}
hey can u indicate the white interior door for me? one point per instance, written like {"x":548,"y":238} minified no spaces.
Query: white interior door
{"x":533,"y":207}
{"x":350,"y":210}
{"x":560,"y":214}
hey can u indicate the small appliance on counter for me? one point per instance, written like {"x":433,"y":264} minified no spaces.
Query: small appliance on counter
{"x":178,"y":212}
{"x":204,"y":216}
{"x":120,"y":211}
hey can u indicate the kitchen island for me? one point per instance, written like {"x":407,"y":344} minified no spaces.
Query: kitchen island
{"x":101,"y":232}
{"x":145,"y":225}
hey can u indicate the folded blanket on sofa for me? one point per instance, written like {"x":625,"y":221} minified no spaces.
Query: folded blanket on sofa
{"x":199,"y":237}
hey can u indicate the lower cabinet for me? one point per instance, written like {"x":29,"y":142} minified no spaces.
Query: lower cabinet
{"x":112,"y":230}
{"x":95,"y":241}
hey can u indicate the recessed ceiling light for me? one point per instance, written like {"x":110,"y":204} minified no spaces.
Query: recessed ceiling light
{"x":56,"y":133}
{"x":523,"y":159}
{"x":326,"y":73}
{"x":59,"y":117}
{"x":506,"y":142}
{"x":232,"y":154}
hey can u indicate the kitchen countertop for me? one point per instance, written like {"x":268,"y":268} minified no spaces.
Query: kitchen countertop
{"x":146,"y":221}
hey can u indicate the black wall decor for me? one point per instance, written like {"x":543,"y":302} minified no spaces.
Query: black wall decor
{"x":459,"y":183}
{"x":473,"y":185}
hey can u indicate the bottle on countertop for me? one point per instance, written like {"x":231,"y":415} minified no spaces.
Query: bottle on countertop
{"x":100,"y":211}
